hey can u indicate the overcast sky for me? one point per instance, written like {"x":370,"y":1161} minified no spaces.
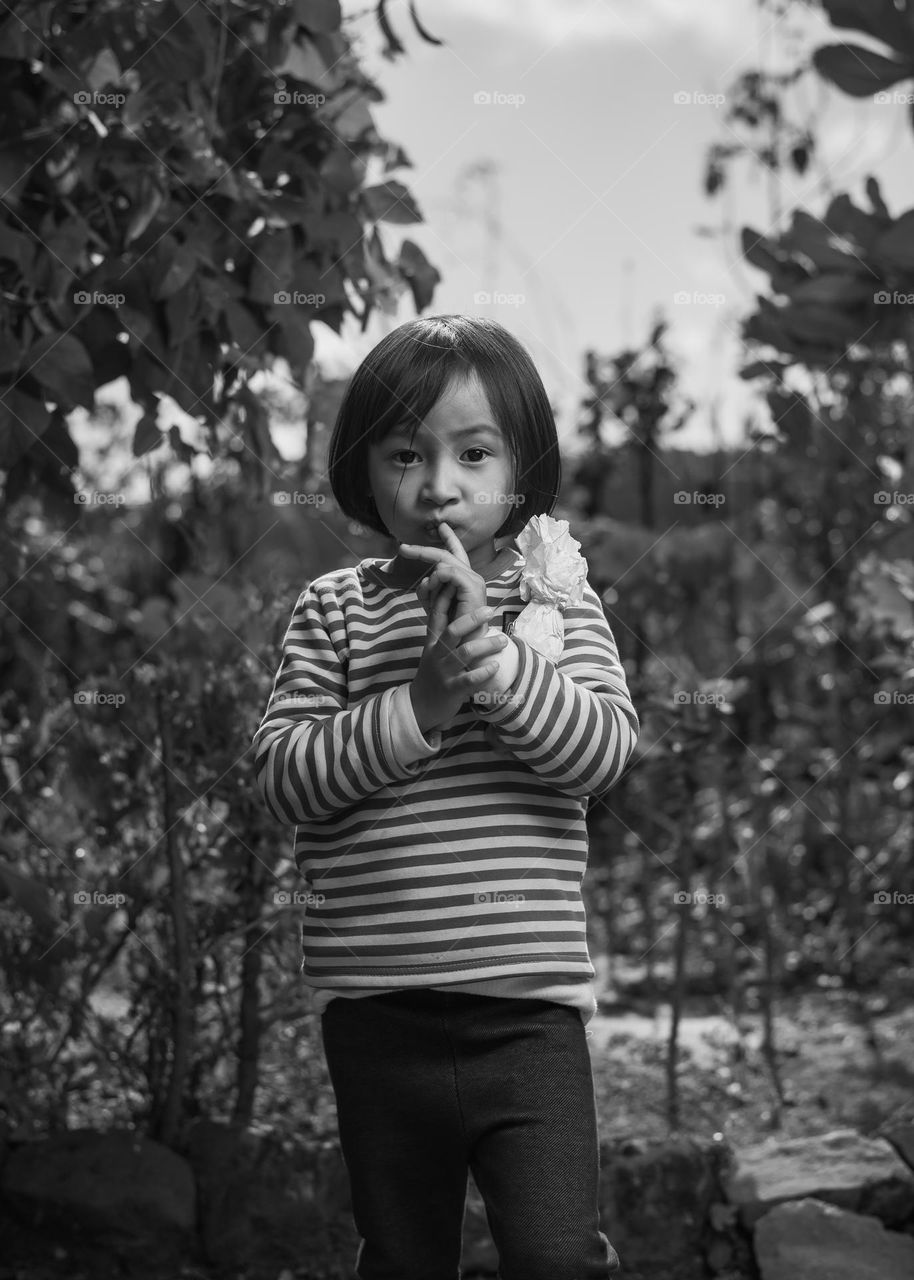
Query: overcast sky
{"x":591,"y":215}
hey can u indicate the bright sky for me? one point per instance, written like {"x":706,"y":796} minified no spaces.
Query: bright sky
{"x":591,"y":210}
{"x":591,"y":213}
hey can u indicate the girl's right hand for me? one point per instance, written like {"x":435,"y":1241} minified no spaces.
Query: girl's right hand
{"x":452,"y":667}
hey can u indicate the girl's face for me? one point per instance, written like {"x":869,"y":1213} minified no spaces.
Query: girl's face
{"x":458,"y":468}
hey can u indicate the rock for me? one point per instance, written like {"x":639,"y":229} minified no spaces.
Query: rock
{"x":118,"y":1188}
{"x":860,"y":1174}
{"x":901,"y":1137}
{"x":265,"y":1201}
{"x":809,"y":1240}
{"x":656,"y":1200}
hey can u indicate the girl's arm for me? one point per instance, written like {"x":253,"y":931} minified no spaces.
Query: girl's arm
{"x":313,"y":754}
{"x":572,"y":723}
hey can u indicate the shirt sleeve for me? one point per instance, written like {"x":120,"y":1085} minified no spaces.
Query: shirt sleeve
{"x":314,"y":755}
{"x":573,"y":723}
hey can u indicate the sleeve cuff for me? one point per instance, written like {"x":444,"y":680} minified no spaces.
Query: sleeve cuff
{"x":406,"y":737}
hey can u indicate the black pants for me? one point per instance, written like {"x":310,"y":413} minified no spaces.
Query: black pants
{"x":430,"y":1084}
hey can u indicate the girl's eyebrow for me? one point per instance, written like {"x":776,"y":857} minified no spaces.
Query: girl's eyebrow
{"x":481,"y":429}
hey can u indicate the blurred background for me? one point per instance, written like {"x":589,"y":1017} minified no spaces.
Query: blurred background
{"x":697,"y":215}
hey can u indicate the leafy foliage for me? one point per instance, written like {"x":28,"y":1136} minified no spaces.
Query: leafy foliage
{"x":185,"y":190}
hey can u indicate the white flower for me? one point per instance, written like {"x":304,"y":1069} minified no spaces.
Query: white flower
{"x":553,"y":576}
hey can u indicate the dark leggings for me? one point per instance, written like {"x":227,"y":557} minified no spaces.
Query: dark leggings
{"x":430,"y":1084}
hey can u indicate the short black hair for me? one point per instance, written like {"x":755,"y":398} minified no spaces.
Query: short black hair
{"x":403,"y":377}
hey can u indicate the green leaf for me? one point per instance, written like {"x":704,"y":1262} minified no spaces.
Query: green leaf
{"x":147,"y":435}
{"x":22,"y":421}
{"x":419,"y":274}
{"x":179,"y":271}
{"x":103,"y":70}
{"x":390,"y":202}
{"x":272,"y":265}
{"x":33,"y":898}
{"x":835,"y":289}
{"x":895,"y":247}
{"x":61,"y":364}
{"x":858,"y":71}
{"x":319,"y":15}
{"x":16,"y":247}
{"x":879,"y":18}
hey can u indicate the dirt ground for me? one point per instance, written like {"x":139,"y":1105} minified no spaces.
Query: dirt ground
{"x":843,"y":1061}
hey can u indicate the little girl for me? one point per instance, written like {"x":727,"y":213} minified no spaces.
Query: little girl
{"x":437,"y":774}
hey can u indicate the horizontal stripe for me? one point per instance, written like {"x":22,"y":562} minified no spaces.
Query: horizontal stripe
{"x":395,"y":847}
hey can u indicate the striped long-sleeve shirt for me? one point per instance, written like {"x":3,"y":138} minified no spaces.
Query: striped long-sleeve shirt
{"x":453,"y":858}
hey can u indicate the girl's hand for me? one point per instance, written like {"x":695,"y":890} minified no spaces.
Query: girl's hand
{"x":450,"y":567}
{"x":453,"y":665}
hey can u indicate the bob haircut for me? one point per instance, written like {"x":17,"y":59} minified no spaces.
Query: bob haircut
{"x":403,"y":377}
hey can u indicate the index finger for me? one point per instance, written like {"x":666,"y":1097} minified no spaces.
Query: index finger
{"x":452,"y":542}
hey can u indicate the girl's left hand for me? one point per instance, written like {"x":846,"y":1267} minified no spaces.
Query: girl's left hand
{"x":449,"y":567}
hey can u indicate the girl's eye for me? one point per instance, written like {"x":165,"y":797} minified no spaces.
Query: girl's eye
{"x":412,"y":453}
